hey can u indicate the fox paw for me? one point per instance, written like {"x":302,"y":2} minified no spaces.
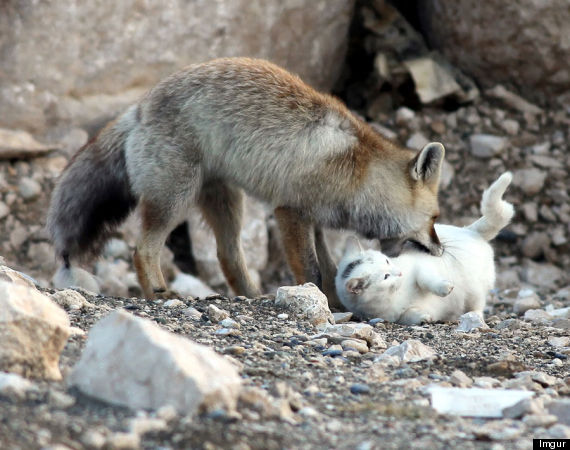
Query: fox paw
{"x":444,"y":288}
{"x":165,"y":294}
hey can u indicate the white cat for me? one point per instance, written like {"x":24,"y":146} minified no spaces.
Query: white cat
{"x":416,"y":287}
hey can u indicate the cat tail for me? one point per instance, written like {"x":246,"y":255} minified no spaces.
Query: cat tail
{"x":497,"y":213}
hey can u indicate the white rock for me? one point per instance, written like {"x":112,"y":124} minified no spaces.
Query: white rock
{"x":307,"y":302}
{"x":460,"y":379}
{"x":71,"y":299}
{"x":16,"y":277}
{"x":4,"y":210}
{"x":361,"y":331}
{"x":29,"y":188}
{"x":417,"y":141}
{"x":192,"y":313}
{"x":562,"y":313}
{"x":356,"y":344}
{"x":432,"y":80}
{"x":470,"y":321}
{"x":530,"y":181}
{"x":510,"y":126}
{"x":542,"y":275}
{"x":14,"y":385}
{"x":33,"y":332}
{"x":524,"y":407}
{"x":229,"y":323}
{"x":189,"y":286}
{"x":216,"y":314}
{"x":342,"y":317}
{"x":404,"y":115}
{"x":562,"y":341}
{"x":522,"y":305}
{"x":408,"y":351}
{"x":131,"y":361}
{"x":173,"y":303}
{"x":487,"y":145}
{"x":537,"y":315}
{"x":474,"y":402}
{"x":486,"y":382}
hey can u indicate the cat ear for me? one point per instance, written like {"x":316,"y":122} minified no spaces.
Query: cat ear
{"x":352,"y":246}
{"x":427,"y":164}
{"x":356,"y":285}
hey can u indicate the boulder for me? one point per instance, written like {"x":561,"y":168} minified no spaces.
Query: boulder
{"x":307,"y":302}
{"x":33,"y":331}
{"x":472,"y":34}
{"x":131,"y":361}
{"x":109,"y":53}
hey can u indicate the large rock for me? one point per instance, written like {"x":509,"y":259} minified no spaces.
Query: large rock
{"x":75,"y":64}
{"x":474,"y":35}
{"x":33,"y":331}
{"x":132,"y":362}
{"x":307,"y":302}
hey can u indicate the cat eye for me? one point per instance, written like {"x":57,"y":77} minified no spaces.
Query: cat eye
{"x":386,"y":276}
{"x":387,"y":262}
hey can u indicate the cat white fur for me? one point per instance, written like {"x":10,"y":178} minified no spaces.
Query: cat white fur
{"x":416,"y":287}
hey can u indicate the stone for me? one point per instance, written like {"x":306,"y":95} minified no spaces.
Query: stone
{"x":539,"y":420}
{"x":342,"y":317}
{"x":404,"y":115}
{"x":473,"y":35}
{"x":525,"y":303}
{"x":510,"y":126}
{"x":561,"y":409}
{"x":562,"y":341}
{"x":460,"y":379}
{"x":559,"y":431}
{"x":359,"y":388}
{"x":192,"y":313}
{"x":216,"y":314}
{"x":143,"y":43}
{"x":408,"y":351}
{"x":471,"y":321}
{"x":487,"y":145}
{"x":361,"y":331}
{"x":29,"y":188}
{"x":15,"y":386}
{"x":307,"y":302}
{"x":4,"y":210}
{"x":417,"y":141}
{"x":18,"y":144}
{"x":33,"y":332}
{"x":355,"y":344}
{"x":530,"y":181}
{"x":513,"y":100}
{"x":71,"y":300}
{"x":189,"y":286}
{"x":13,"y":276}
{"x":432,"y":80}
{"x":524,"y":407}
{"x":173,"y":303}
{"x":541,"y":275}
{"x":535,"y":244}
{"x":131,"y":361}
{"x":475,"y":402}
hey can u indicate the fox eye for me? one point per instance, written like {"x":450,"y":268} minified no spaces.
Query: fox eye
{"x":386,"y":276}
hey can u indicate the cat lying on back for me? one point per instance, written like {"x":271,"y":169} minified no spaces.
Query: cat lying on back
{"x":416,"y":287}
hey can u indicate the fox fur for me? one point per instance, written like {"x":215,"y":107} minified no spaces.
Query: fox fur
{"x":213,"y":130}
{"x":416,"y":287}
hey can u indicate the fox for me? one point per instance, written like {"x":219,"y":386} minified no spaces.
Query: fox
{"x":213,"y":131}
{"x":416,"y":287}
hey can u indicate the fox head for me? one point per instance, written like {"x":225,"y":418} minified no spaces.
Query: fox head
{"x":402,"y":195}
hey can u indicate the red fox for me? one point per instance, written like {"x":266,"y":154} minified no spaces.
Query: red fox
{"x":213,"y":130}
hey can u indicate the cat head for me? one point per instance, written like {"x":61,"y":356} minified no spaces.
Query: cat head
{"x":362,"y":271}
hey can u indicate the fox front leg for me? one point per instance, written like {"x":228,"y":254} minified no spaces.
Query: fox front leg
{"x":298,"y":242}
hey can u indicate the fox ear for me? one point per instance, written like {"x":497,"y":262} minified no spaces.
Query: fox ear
{"x":352,"y":246}
{"x":427,"y":164}
{"x":356,"y":285}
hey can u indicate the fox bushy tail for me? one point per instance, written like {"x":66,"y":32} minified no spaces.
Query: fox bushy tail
{"x":93,"y":196}
{"x":497,"y":213}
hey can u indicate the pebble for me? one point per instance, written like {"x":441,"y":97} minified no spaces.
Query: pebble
{"x":417,"y":141}
{"x":539,"y":420}
{"x":359,"y":388}
{"x":4,"y":210}
{"x":283,"y":316}
{"x":227,"y":332}
{"x":216,"y":314}
{"x":470,"y":321}
{"x":342,"y":317}
{"x":174,"y":303}
{"x":537,"y":315}
{"x":192,"y":313}
{"x":356,"y":344}
{"x":486,"y":145}
{"x":404,"y":115}
{"x":229,"y":323}
{"x":235,"y":350}
{"x":510,"y":126}
{"x":15,"y":386}
{"x":530,"y":181}
{"x":460,"y":379}
{"x":332,"y":352}
{"x":522,"y":305}
{"x":29,"y":189}
{"x":562,"y":341}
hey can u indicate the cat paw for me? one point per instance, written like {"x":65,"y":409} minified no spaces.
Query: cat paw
{"x":415,"y":316}
{"x":444,"y":288}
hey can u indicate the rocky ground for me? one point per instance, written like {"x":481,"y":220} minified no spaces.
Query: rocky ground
{"x":327,"y":396}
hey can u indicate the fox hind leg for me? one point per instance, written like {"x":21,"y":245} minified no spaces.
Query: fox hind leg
{"x":222,"y":207}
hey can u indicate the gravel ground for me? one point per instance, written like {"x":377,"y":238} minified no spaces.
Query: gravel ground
{"x":332,"y":399}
